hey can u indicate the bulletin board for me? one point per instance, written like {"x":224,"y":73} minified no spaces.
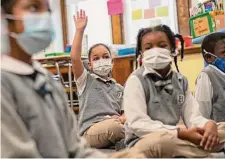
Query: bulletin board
{"x":149,"y":13}
{"x":201,"y":25}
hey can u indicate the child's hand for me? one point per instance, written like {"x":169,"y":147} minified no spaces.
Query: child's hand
{"x":122,"y":119}
{"x":194,"y":135}
{"x":80,"y":20}
{"x":210,"y":138}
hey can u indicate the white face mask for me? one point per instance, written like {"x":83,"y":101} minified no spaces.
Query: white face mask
{"x":102,"y":67}
{"x":5,"y":46}
{"x":38,"y":32}
{"x":157,"y":58}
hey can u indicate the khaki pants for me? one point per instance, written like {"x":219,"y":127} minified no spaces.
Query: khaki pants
{"x":104,"y":133}
{"x":128,"y":153}
{"x":166,"y":145}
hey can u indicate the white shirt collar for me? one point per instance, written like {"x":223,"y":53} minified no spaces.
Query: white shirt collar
{"x":13,"y":65}
{"x":152,"y":71}
{"x":214,"y":67}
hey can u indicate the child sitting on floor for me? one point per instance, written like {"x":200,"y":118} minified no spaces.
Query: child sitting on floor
{"x":101,"y":116}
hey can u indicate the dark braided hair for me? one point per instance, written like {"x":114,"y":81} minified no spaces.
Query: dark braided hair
{"x":171,"y":36}
{"x":96,"y":45}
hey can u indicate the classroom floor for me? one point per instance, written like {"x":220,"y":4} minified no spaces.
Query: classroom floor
{"x":107,"y":151}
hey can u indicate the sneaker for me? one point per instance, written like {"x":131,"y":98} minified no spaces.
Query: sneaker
{"x":120,"y":145}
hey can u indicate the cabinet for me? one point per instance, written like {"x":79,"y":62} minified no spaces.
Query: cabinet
{"x":122,"y":68}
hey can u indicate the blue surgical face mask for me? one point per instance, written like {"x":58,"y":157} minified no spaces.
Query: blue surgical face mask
{"x":38,"y":32}
{"x":218,"y":62}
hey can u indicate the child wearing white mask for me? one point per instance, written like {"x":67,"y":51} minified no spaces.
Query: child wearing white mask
{"x":156,"y":98}
{"x":101,"y":116}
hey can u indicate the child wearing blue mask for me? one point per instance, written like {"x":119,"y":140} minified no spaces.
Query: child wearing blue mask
{"x":100,"y":97}
{"x":210,"y":85}
{"x":36,"y":121}
{"x":156,"y":99}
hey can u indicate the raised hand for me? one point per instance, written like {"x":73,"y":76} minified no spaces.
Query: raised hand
{"x":80,"y":20}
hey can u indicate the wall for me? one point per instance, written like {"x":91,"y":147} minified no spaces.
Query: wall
{"x":100,"y":21}
{"x":135,"y":25}
{"x":99,"y":28}
{"x":190,"y":67}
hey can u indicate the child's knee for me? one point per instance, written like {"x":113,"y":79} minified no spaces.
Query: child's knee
{"x":158,"y":146}
{"x":105,"y":133}
{"x":115,"y":130}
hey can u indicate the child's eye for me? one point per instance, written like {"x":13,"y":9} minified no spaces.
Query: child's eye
{"x":163,"y":46}
{"x":96,"y":58}
{"x":33,"y":8}
{"x":105,"y":57}
{"x":147,"y":48}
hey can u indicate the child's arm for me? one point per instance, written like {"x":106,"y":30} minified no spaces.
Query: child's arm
{"x":14,"y":134}
{"x":80,"y":22}
{"x":204,"y":95}
{"x":193,"y":118}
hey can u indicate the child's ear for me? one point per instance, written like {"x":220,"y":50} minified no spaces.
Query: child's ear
{"x":209,"y":58}
{"x":89,"y":65}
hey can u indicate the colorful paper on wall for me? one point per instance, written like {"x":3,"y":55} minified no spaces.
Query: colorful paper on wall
{"x":149,"y":13}
{"x":154,"y":3}
{"x":162,"y":11}
{"x":137,"y":14}
{"x":115,"y":7}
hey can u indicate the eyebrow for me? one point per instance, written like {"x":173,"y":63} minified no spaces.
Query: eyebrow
{"x":158,"y":42}
{"x":34,"y":1}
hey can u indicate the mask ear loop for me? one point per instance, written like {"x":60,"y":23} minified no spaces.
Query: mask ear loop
{"x":11,"y":17}
{"x":139,"y":59}
{"x":209,"y":53}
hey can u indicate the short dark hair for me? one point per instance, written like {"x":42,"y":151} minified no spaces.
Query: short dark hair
{"x":7,"y":5}
{"x":96,"y":45}
{"x":210,"y":41}
{"x":171,"y":36}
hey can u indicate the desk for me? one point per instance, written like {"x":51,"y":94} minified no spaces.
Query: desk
{"x":49,"y":63}
{"x":61,"y":66}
